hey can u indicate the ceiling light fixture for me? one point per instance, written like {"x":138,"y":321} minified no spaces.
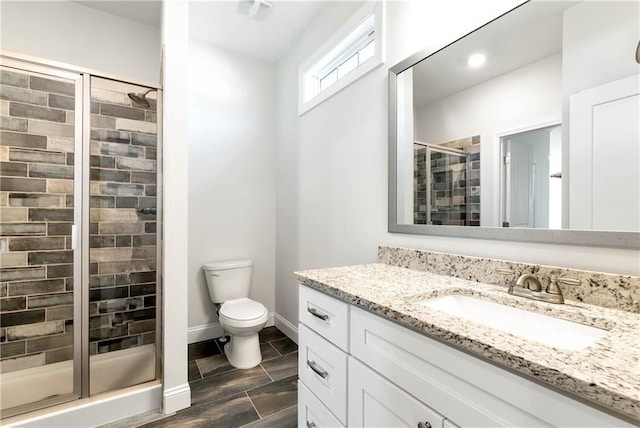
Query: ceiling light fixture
{"x":476,"y":60}
{"x":255,"y":9}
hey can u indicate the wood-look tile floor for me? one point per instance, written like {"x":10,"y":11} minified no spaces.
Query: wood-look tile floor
{"x":223,"y":396}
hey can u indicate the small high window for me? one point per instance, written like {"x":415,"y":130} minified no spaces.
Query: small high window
{"x":353,"y":51}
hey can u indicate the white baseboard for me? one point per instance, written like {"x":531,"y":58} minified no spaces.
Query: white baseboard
{"x":286,"y":327}
{"x":213,"y":331}
{"x":176,"y":398}
{"x":204,"y":332}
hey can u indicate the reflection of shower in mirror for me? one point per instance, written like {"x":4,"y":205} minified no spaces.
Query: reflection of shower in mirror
{"x":447,"y":182}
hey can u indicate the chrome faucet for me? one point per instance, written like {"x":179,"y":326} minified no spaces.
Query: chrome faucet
{"x":527,"y":285}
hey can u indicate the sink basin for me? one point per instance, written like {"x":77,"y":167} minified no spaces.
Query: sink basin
{"x":547,"y":330}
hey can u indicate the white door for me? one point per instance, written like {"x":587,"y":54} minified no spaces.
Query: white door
{"x":376,"y":402}
{"x":604,"y":183}
{"x":519,"y":197}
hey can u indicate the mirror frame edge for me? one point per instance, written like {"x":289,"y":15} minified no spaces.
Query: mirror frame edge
{"x":590,"y":238}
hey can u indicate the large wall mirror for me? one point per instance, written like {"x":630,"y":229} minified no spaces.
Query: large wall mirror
{"x":526,"y":129}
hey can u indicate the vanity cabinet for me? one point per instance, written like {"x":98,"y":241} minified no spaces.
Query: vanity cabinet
{"x":379,"y":373}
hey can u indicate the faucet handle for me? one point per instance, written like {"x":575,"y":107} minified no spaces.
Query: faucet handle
{"x":566,"y":280}
{"x":503,"y":271}
{"x":554,"y":280}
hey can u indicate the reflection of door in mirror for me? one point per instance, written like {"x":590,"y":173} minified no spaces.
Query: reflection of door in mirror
{"x":604,"y":175}
{"x":531,"y":186}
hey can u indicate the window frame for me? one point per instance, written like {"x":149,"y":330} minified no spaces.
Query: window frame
{"x":316,"y":63}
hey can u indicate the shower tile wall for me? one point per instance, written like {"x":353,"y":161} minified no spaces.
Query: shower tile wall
{"x":123,"y":233}
{"x":36,"y":215}
{"x":448,"y":189}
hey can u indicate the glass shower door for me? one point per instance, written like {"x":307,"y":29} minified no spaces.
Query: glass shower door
{"x":122,"y":242}
{"x":39,"y":191}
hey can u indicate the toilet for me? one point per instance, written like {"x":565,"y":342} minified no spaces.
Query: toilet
{"x":242,"y":318}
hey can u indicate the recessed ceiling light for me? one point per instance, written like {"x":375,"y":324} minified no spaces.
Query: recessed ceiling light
{"x":476,"y":60}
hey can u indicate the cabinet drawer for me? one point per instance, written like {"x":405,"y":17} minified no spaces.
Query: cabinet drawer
{"x":376,"y":402}
{"x":327,"y":316}
{"x":323,"y":369}
{"x":312,"y":413}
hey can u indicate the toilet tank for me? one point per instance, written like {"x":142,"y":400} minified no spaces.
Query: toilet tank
{"x":228,"y":279}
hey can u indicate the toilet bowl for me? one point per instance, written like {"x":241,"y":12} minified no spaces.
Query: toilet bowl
{"x":242,"y":319}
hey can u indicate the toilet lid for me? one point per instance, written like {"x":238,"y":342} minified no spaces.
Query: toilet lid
{"x":242,"y":309}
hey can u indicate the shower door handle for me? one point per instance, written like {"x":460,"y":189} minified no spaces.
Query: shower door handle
{"x":74,"y":237}
{"x":146,"y":210}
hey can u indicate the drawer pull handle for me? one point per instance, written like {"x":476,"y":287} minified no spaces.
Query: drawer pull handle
{"x":313,"y":366}
{"x":316,"y":314}
{"x":424,"y":425}
{"x":311,"y":424}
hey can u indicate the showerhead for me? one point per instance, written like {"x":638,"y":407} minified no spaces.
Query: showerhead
{"x":141,"y":98}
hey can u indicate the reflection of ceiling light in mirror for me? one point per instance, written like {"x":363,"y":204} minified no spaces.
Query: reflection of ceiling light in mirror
{"x":476,"y":60}
{"x":255,"y":9}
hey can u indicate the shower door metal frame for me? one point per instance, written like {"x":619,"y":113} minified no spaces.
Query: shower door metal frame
{"x":76,"y":246}
{"x":80,"y":231}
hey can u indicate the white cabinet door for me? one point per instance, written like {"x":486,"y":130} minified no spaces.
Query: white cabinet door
{"x":312,"y":413}
{"x":376,"y":402}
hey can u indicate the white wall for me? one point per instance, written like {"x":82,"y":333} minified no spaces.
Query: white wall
{"x":68,"y":32}
{"x":232,"y":170}
{"x":522,"y":99}
{"x":176,"y":393}
{"x":405,"y":143}
{"x":332,"y":162}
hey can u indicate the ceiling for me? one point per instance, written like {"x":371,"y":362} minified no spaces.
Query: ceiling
{"x":534,"y":33}
{"x":217,"y":22}
{"x":146,"y":12}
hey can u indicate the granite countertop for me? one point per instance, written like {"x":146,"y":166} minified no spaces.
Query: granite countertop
{"x":606,"y":373}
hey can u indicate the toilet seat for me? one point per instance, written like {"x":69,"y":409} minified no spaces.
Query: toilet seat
{"x":242,"y":312}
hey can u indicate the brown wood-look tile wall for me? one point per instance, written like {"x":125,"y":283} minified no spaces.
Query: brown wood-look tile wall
{"x":123,"y":239}
{"x":36,"y":214}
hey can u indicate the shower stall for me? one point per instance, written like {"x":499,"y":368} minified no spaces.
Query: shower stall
{"x":446,"y":186}
{"x":80,"y":198}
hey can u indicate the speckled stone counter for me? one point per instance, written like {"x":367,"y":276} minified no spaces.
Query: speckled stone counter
{"x":606,"y":373}
{"x":596,"y":288}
